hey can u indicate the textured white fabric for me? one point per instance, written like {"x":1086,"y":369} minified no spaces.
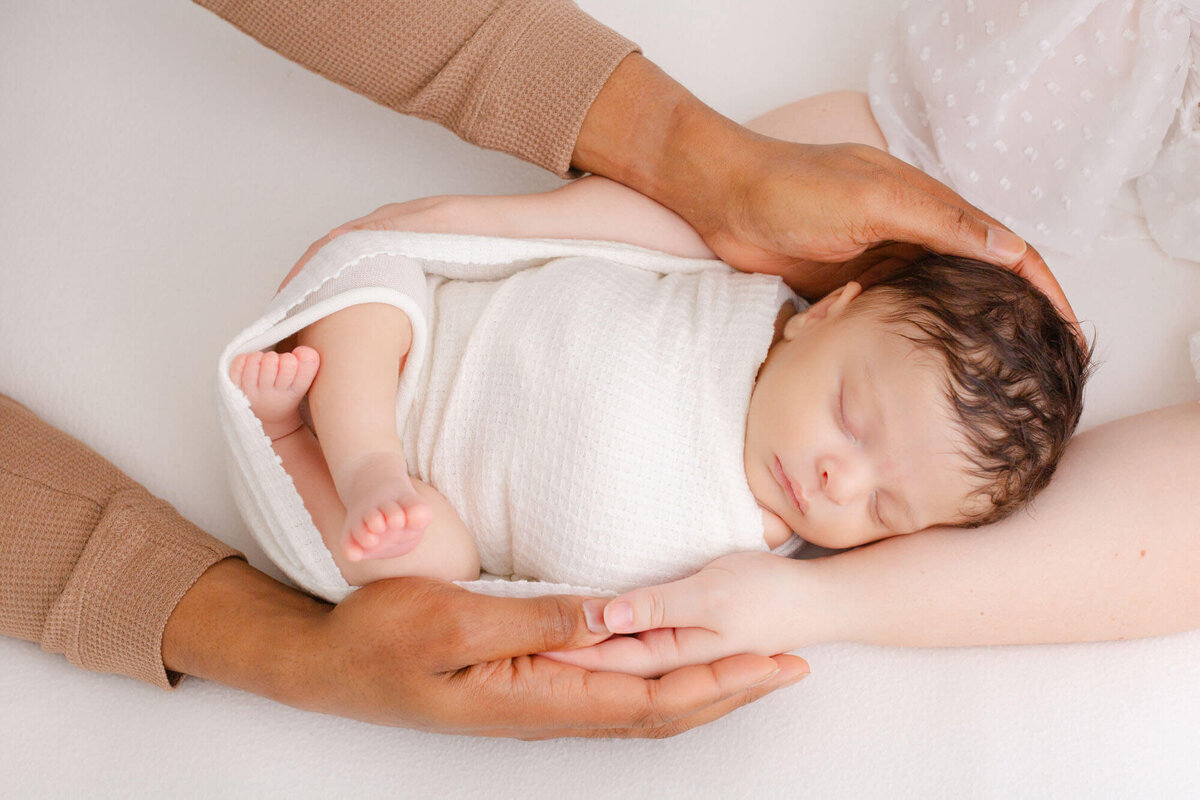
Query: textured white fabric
{"x":1038,"y":112}
{"x":581,"y":405}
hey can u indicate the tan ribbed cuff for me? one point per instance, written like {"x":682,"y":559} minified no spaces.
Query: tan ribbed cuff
{"x":537,"y":93}
{"x":141,"y":559}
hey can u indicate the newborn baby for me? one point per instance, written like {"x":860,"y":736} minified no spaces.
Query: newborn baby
{"x":942,"y":395}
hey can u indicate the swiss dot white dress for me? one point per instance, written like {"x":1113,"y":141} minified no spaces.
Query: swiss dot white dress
{"x":1039,"y":112}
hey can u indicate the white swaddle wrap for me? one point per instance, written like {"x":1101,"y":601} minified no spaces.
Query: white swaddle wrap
{"x":581,"y":405}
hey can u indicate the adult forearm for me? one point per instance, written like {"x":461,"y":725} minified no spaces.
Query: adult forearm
{"x":1111,"y":550}
{"x":662,"y":148}
{"x":512,"y":75}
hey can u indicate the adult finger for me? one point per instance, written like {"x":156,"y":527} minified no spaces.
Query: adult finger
{"x":792,"y":669}
{"x":1000,"y":245}
{"x":1035,"y":270}
{"x":609,"y":700}
{"x":304,"y":259}
{"x":372,"y":221}
{"x":496,"y":628}
{"x":673,"y":703}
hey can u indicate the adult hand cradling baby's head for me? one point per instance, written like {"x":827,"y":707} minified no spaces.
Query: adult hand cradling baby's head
{"x":808,"y":212}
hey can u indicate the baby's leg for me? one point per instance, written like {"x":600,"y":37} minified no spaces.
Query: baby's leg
{"x":275,"y":384}
{"x":822,"y":119}
{"x":353,"y":405}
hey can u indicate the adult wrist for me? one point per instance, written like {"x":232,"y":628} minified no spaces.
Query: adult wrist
{"x":647,"y":131}
{"x":239,"y":627}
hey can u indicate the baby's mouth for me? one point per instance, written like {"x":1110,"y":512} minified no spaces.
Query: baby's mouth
{"x":789,"y":488}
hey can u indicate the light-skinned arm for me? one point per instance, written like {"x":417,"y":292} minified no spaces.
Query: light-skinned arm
{"x":1110,"y":550}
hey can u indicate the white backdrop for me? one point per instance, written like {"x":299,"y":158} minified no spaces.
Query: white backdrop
{"x":160,"y":171}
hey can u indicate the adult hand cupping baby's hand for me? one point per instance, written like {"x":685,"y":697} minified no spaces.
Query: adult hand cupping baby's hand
{"x":428,"y":654}
{"x":740,"y":603}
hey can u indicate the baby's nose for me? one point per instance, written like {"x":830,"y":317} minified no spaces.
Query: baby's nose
{"x":842,"y":482}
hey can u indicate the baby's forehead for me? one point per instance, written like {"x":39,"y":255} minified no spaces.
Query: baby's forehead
{"x":906,"y":389}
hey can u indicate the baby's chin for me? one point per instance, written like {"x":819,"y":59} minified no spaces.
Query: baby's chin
{"x":830,"y":539}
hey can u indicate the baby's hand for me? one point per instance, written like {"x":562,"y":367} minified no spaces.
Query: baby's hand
{"x":740,"y":603}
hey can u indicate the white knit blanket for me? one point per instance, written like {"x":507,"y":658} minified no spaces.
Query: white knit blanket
{"x":582,"y":405}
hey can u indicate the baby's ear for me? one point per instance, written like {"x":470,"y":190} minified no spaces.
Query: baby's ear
{"x":829,"y":306}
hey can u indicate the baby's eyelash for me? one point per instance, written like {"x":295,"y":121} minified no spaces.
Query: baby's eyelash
{"x":842,"y":414}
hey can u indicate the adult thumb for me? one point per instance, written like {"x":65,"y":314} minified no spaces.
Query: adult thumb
{"x":518,"y":627}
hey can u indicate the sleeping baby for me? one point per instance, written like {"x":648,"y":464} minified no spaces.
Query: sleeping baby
{"x":588,"y":421}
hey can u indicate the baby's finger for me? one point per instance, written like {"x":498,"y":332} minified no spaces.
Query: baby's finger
{"x":648,"y":654}
{"x":680,"y":604}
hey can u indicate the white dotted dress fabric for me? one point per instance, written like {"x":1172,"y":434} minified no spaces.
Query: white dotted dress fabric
{"x":1039,"y":112}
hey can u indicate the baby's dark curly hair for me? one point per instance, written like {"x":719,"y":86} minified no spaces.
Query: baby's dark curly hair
{"x":1015,"y":369}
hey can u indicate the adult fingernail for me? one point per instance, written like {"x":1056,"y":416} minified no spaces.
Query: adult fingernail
{"x":593,"y":610}
{"x":1005,"y":245}
{"x":619,"y":616}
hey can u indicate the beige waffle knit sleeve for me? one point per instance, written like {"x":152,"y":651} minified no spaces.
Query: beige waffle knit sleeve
{"x":511,"y":75}
{"x":91,"y":564}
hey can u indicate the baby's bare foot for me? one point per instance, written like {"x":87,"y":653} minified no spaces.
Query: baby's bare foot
{"x":385,"y":517}
{"x":275,"y":383}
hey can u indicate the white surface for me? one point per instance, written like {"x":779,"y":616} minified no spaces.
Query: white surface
{"x":161,"y":171}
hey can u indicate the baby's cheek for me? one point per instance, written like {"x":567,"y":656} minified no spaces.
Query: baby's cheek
{"x":775,"y":530}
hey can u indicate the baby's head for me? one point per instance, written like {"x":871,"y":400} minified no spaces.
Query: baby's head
{"x":943,"y":395}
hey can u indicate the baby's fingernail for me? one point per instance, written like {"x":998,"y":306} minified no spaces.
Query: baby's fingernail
{"x":797,"y":678}
{"x":593,"y":610}
{"x":619,"y":616}
{"x":766,"y":677}
{"x":1005,"y":244}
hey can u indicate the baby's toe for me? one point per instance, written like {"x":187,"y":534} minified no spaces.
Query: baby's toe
{"x":418,"y":516}
{"x":251,"y":363}
{"x":288,"y":365}
{"x":307,"y":362}
{"x":306,"y":355}
{"x":268,"y":369}
{"x":393,"y":515}
{"x":374,"y":522}
{"x":235,"y":368}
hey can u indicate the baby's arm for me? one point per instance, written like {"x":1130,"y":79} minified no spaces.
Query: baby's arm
{"x":740,"y":603}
